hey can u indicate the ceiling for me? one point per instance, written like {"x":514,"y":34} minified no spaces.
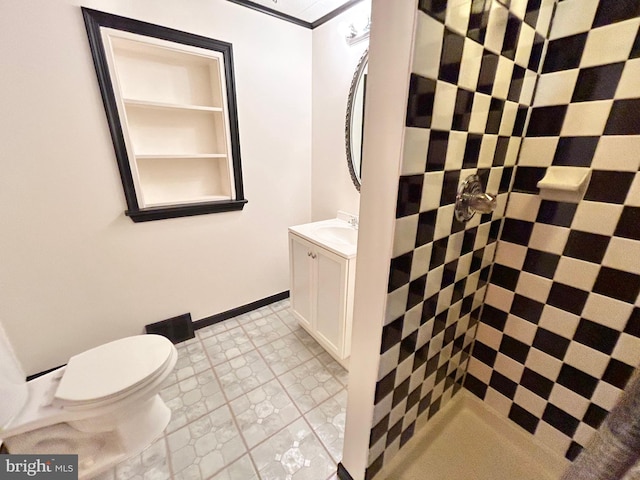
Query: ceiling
{"x":307,"y":11}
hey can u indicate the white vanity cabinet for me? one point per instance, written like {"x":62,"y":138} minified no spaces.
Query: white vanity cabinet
{"x":321,"y":288}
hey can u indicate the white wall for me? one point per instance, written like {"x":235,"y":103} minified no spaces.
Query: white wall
{"x":334,"y":63}
{"x":386,"y":105}
{"x":74,"y":271}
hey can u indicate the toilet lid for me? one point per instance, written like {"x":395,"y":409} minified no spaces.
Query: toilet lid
{"x":113,"y":368}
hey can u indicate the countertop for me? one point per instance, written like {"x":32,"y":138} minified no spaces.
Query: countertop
{"x":313,"y":232}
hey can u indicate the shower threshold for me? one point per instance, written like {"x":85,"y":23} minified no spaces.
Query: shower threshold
{"x":467,"y":440}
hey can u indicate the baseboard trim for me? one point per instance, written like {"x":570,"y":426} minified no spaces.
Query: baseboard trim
{"x":343,"y":474}
{"x":234,"y":312}
{"x":213,"y":319}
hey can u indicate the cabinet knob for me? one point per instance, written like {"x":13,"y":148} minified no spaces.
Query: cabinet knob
{"x":313,"y":255}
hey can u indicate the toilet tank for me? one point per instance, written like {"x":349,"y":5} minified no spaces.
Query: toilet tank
{"x":13,"y":385}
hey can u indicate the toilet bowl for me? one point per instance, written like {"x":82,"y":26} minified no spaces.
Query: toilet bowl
{"x":103,"y":405}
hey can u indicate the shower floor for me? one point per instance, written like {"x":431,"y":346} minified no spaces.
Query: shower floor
{"x":468,"y":441}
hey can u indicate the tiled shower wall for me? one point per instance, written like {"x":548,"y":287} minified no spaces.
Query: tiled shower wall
{"x":560,"y":329}
{"x":474,"y":68}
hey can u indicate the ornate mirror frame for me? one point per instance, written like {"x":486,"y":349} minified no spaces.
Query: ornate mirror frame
{"x":356,"y":82}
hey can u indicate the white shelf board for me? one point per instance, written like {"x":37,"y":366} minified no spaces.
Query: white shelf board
{"x":198,"y":199}
{"x":170,"y":131}
{"x":162,"y":105}
{"x":182,"y":155}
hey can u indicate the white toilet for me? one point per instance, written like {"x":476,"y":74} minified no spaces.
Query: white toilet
{"x":103,"y":405}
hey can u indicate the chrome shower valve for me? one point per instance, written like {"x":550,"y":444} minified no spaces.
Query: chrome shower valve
{"x":471,"y":199}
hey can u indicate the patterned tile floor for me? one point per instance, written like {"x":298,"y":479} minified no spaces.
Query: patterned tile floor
{"x":253,"y":397}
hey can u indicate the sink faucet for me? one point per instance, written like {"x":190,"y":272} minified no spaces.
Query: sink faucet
{"x":353,"y":221}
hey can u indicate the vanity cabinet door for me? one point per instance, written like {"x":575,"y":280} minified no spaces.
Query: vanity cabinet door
{"x":300,"y":275}
{"x":330,"y":276}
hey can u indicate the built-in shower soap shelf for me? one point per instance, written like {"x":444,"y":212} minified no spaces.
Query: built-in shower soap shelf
{"x":564,"y":184}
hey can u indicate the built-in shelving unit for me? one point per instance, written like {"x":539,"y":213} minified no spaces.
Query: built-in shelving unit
{"x":170,"y":102}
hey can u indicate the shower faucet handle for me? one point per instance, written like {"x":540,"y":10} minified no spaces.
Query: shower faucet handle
{"x":471,"y":199}
{"x":481,"y":202}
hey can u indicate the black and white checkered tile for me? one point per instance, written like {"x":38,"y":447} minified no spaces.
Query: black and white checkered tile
{"x":560,"y":329}
{"x":474,"y":70}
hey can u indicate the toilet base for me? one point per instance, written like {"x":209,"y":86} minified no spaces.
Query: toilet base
{"x":98,"y":452}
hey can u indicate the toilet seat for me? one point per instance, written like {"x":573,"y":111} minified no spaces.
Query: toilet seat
{"x":110,"y":372}
{"x":104,"y":403}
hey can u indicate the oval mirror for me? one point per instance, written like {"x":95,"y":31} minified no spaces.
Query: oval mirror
{"x":355,"y":118}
